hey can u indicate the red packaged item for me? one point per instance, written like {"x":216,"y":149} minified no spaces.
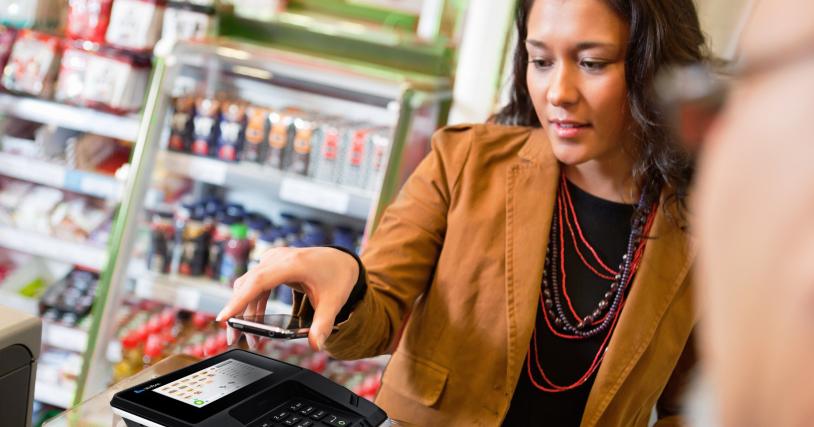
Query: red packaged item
{"x":31,"y":66}
{"x":135,"y":24}
{"x":7,"y":35}
{"x":88,"y":19}
{"x":104,"y":78}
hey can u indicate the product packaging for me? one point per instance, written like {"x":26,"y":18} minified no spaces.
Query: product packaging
{"x":32,"y":64}
{"x":135,"y":24}
{"x":88,"y":19}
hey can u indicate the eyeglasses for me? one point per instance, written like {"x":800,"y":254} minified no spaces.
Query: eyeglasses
{"x":693,"y":96}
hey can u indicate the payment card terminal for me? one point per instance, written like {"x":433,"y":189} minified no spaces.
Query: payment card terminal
{"x":240,"y":388}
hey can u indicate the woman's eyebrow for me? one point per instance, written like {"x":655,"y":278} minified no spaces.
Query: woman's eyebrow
{"x":585,"y":45}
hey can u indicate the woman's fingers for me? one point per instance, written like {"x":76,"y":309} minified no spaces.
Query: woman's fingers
{"x":232,"y":336}
{"x":323,"y":322}
{"x":254,"y":283}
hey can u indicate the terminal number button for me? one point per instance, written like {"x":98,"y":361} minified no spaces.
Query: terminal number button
{"x":335,"y":421}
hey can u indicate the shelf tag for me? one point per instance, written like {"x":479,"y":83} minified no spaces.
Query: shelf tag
{"x":188,"y":298}
{"x":206,"y":170}
{"x":66,"y":338}
{"x":95,"y":185}
{"x":25,"y":169}
{"x":314,"y":195}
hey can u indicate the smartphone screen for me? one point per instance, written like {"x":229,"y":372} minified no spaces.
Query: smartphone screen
{"x":272,"y":325}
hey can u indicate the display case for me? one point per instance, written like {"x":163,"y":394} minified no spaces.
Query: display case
{"x":62,"y":171}
{"x":242,"y":148}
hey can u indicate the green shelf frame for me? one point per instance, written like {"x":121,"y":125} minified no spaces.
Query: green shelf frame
{"x":303,"y":34}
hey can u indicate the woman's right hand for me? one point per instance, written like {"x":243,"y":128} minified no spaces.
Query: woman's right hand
{"x":326,"y":275}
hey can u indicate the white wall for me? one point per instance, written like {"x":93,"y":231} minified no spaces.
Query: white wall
{"x":722,"y":21}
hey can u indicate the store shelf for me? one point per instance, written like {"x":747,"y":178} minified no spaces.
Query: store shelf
{"x":54,"y":175}
{"x":52,"y":248}
{"x":53,"y":334}
{"x":18,"y":302}
{"x":53,"y":394}
{"x":190,"y":293}
{"x":64,"y":337}
{"x":287,"y":187}
{"x":71,"y":117}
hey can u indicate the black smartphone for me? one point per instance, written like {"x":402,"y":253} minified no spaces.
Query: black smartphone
{"x":279,"y":326}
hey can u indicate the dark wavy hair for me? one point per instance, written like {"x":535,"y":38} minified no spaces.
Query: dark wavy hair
{"x":663,"y":33}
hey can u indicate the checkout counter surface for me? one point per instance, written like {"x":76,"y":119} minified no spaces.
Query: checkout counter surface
{"x":97,"y":412}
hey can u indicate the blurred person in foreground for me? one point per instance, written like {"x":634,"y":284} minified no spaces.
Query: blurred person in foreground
{"x":755,"y":220}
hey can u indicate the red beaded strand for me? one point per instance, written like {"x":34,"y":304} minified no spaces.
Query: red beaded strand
{"x":563,"y":201}
{"x":573,"y":213}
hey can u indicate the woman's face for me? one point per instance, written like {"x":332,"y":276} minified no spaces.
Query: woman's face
{"x":576,"y":78}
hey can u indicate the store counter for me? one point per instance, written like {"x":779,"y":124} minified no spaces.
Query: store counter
{"x":97,"y":411}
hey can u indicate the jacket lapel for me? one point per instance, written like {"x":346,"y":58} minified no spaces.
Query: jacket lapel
{"x":530,"y":194}
{"x":665,"y":264}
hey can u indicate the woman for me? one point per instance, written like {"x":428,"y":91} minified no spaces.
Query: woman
{"x":543,"y":266}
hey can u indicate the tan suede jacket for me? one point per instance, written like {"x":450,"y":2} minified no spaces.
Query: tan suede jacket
{"x":461,"y":252}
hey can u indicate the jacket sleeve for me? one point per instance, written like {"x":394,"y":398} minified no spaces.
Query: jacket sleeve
{"x":400,"y":257}
{"x":670,"y":405}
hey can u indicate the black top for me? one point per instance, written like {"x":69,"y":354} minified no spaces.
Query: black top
{"x":606,"y":226}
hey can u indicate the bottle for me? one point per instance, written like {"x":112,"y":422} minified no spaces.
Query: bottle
{"x":153,"y":349}
{"x":258,"y":224}
{"x":220,"y":235}
{"x":181,"y":124}
{"x":182,"y":215}
{"x":212,"y":207}
{"x":162,"y":240}
{"x":264,"y":243}
{"x":279,"y":140}
{"x":131,"y":361}
{"x":290,"y":227}
{"x":235,"y":255}
{"x":205,"y":126}
{"x":313,"y":234}
{"x":232,"y":128}
{"x":195,"y":246}
{"x":255,"y":148}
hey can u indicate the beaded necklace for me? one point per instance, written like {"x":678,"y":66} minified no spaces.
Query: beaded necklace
{"x":562,"y":319}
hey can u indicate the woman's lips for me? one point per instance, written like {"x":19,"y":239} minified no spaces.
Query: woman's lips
{"x":567,"y":129}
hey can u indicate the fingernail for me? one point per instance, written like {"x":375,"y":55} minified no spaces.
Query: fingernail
{"x":219,"y":317}
{"x":252,"y":342}
{"x":229,"y":339}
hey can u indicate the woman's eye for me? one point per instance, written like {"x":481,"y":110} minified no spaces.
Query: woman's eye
{"x":540,"y":64}
{"x":592,"y":65}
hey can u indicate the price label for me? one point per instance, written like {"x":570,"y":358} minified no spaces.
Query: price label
{"x":188,"y":299}
{"x":92,"y":184}
{"x":314,"y":195}
{"x":206,"y":170}
{"x":66,"y":338}
{"x":25,"y":169}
